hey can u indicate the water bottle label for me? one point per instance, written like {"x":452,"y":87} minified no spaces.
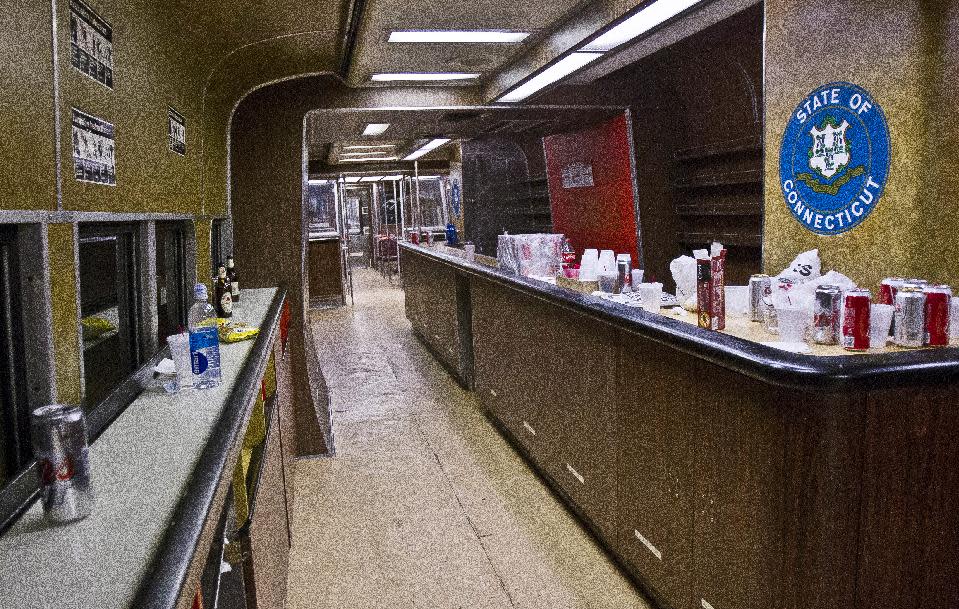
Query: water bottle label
{"x":204,"y":349}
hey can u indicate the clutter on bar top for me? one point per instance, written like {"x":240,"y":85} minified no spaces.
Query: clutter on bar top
{"x":800,"y":306}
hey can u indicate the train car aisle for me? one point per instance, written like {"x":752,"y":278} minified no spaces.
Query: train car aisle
{"x":425,"y":504}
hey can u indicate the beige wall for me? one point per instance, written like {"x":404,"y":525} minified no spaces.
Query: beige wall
{"x":898,"y":50}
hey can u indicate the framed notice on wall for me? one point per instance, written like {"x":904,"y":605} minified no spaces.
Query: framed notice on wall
{"x":91,"y":43}
{"x":94,"y":150}
{"x":578,"y":175}
{"x":177,"y":131}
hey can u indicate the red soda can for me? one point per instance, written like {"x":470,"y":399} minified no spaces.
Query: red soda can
{"x":888,"y":289}
{"x":855,"y":319}
{"x":938,"y":298}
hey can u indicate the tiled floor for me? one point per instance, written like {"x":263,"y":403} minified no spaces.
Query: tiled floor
{"x":424,"y":504}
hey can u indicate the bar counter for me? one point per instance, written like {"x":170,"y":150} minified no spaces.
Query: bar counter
{"x":720,"y":472}
{"x":160,"y":476}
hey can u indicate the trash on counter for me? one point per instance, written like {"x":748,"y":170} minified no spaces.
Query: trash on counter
{"x":531,"y":254}
{"x":684,"y":274}
{"x":236,"y":331}
{"x":804,"y":267}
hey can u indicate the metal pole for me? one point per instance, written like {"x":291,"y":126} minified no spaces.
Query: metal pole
{"x":419,"y":210}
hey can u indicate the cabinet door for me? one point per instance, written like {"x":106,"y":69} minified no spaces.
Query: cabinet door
{"x":655,"y":468}
{"x":579,"y":411}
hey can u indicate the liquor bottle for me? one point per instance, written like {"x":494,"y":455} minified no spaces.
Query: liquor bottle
{"x":234,"y":278}
{"x":222,"y":296}
{"x":204,"y":341}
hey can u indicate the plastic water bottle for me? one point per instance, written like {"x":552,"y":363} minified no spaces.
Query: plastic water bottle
{"x":204,"y":341}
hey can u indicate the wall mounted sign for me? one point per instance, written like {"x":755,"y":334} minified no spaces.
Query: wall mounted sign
{"x":94,"y":150}
{"x":834,"y":159}
{"x":91,"y":43}
{"x":177,"y":131}
{"x":577,"y":175}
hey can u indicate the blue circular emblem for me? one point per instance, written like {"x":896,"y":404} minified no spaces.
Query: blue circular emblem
{"x":834,"y":159}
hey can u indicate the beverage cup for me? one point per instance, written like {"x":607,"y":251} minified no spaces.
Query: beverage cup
{"x":180,"y":354}
{"x":954,"y":320}
{"x":470,"y":250}
{"x":607,"y":260}
{"x":607,"y":281}
{"x":737,"y":300}
{"x":651,"y":295}
{"x":794,"y":324}
{"x":589,"y":265}
{"x":880,"y":320}
{"x":637,"y":278}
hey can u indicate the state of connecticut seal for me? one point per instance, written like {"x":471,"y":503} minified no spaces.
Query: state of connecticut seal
{"x":834,"y":159}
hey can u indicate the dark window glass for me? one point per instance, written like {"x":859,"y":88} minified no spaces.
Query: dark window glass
{"x":171,"y":279}
{"x":109,"y":307}
{"x":15,"y":449}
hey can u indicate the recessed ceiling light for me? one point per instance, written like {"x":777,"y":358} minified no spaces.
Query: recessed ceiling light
{"x":640,"y":23}
{"x":371,"y":179}
{"x":432,"y":145}
{"x":352,"y":179}
{"x":458,"y":36}
{"x":376,"y":128}
{"x":423,"y":76}
{"x":369,"y":146}
{"x":394,"y":178}
{"x":558,"y":70}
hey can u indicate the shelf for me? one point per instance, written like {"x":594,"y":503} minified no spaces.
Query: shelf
{"x":729,"y":240}
{"x":719,"y":209}
{"x":729,"y":147}
{"x":713,"y":180}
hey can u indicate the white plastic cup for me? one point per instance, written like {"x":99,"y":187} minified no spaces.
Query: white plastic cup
{"x":637,"y":278}
{"x":588,"y":265}
{"x":651,"y":295}
{"x":737,"y":299}
{"x":880,"y":320}
{"x":794,"y":324}
{"x":954,"y":319}
{"x":607,"y":260}
{"x":180,"y":354}
{"x":470,"y":250}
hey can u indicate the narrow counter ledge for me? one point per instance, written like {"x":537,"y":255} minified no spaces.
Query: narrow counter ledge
{"x":156,"y":472}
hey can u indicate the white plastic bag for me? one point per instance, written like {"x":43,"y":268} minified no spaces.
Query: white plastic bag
{"x":684,"y":274}
{"x":805,"y":267}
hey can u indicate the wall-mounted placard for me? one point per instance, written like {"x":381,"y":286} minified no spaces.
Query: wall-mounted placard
{"x":177,"y":131}
{"x":94,"y":150}
{"x":577,"y":175}
{"x":834,"y":159}
{"x":91,"y":43}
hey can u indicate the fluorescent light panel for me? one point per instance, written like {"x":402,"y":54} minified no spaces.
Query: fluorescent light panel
{"x":423,"y":76}
{"x":365,"y":159}
{"x":640,"y":23}
{"x":371,"y":178}
{"x":376,"y":128}
{"x":563,"y":67}
{"x":367,"y":153}
{"x":369,"y":147}
{"x":393,"y":178}
{"x":317,"y":181}
{"x":352,"y":179}
{"x":432,"y":145}
{"x":458,"y":36}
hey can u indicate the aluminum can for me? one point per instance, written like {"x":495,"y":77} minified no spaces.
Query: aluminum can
{"x":760,"y":288}
{"x":623,"y":274}
{"x":938,"y":298}
{"x":910,"y":317}
{"x":60,"y":447}
{"x":888,"y":288}
{"x":855,"y":319}
{"x":828,"y":314}
{"x":704,"y":293}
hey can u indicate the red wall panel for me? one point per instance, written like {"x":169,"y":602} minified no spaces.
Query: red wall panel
{"x":603,"y":215}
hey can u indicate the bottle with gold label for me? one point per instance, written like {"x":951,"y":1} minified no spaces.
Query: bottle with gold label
{"x":222,"y":294}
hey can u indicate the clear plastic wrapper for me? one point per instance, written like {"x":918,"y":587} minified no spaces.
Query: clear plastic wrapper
{"x":531,"y":255}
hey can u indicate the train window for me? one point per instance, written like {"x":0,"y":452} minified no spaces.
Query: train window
{"x":171,"y":279}
{"x":109,"y":307}
{"x":321,"y":205}
{"x":15,"y":448}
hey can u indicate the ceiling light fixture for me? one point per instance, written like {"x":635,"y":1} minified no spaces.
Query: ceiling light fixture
{"x":371,"y":179}
{"x":432,"y":145}
{"x":656,"y":13}
{"x":365,"y":159}
{"x":352,"y":179}
{"x":394,"y":178}
{"x":312,"y":181}
{"x":376,"y":128}
{"x":423,"y":76}
{"x":367,"y":153}
{"x":458,"y":36}
{"x":558,"y":70}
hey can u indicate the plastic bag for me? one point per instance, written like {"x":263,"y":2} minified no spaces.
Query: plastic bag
{"x":805,"y":267}
{"x":684,"y":274}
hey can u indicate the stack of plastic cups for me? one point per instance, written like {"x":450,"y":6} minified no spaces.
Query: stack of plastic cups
{"x":589,"y":265}
{"x":607,"y":261}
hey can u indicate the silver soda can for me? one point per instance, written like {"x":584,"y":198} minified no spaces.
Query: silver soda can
{"x":623,"y":274}
{"x":60,"y":447}
{"x":828,"y":315}
{"x":910,"y":317}
{"x":760,"y":287}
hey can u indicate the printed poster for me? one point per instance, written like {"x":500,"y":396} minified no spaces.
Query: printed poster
{"x":177,"y":130}
{"x":577,"y":175}
{"x":94,"y":150}
{"x":91,"y":43}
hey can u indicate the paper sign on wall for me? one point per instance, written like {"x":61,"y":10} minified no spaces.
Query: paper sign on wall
{"x":177,"y":131}
{"x":94,"y":150}
{"x":577,"y":175}
{"x":91,"y":43}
